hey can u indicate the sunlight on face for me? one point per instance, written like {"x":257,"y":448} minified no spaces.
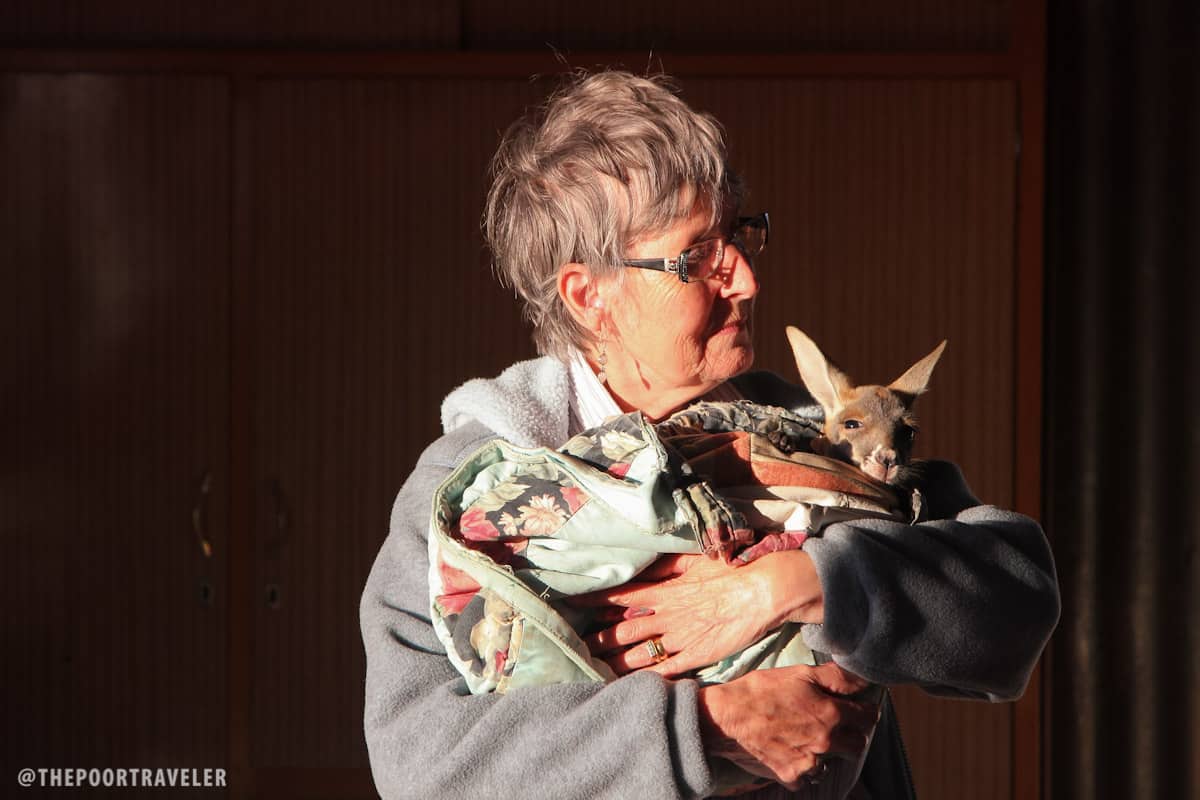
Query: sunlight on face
{"x":679,"y":338}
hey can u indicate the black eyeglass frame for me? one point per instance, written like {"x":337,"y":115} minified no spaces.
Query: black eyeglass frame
{"x":678,"y":266}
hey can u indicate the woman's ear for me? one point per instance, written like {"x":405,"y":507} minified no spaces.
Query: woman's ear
{"x":580,"y":292}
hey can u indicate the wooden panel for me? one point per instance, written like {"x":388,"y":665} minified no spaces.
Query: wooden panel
{"x":532,"y":24}
{"x":114,"y":348}
{"x":514,"y":64}
{"x":892,"y":206}
{"x":373,"y":299}
{"x":1032,"y":719}
{"x":716,"y":25}
{"x":313,"y":23}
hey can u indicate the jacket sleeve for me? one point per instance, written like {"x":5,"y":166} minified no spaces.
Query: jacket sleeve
{"x":429,"y":737}
{"x":960,"y":606}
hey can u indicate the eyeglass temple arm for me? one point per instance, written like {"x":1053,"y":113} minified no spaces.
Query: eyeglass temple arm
{"x":675,"y":266}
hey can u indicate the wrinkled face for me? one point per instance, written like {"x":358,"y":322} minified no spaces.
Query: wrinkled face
{"x":685,"y":335}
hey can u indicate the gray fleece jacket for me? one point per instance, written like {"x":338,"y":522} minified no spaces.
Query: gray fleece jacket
{"x":959,"y":606}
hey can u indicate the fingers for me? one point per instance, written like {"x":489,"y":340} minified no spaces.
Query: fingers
{"x":782,"y":723}
{"x":626,"y":648}
{"x":772,"y":543}
{"x":611,"y":615}
{"x":841,"y":713}
{"x":857,"y":716}
{"x":847,"y":727}
{"x":631,"y":594}
{"x":675,"y":665}
{"x":605,"y":616}
{"x":832,"y":678}
{"x":625,"y":633}
{"x":787,"y":722}
{"x":640,"y":656}
{"x":847,"y":736}
{"x":846,"y":742}
{"x":793,"y":767}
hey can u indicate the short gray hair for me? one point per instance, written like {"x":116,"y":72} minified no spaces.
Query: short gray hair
{"x":607,"y":159}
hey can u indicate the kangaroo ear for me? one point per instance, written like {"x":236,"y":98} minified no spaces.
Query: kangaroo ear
{"x":825,"y":382}
{"x":916,"y":379}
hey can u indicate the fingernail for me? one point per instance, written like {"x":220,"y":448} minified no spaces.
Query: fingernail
{"x":634,"y":613}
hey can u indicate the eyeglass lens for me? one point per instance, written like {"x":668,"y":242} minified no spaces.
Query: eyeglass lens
{"x":751,"y":237}
{"x":704,"y":259}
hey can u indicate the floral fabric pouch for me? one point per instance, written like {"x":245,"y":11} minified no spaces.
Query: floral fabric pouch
{"x":515,"y":530}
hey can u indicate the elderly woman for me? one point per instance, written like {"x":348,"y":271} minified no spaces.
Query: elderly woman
{"x":614,"y":216}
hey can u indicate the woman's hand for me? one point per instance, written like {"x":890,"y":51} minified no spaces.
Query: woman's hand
{"x":703,"y":610}
{"x":780,"y":723}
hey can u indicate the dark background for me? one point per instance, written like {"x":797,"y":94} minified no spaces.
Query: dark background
{"x":1122,"y":361}
{"x":241,"y":251}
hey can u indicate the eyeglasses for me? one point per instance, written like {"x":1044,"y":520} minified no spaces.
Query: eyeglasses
{"x":703,"y":259}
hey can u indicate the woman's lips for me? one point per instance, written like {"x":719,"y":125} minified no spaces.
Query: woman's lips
{"x":735,"y":326}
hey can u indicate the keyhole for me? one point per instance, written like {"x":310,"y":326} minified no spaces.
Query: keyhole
{"x":273,"y":596}
{"x":204,"y":593}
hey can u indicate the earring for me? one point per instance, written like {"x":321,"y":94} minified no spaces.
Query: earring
{"x":602,"y":358}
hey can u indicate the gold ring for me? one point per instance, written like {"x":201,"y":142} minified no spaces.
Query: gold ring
{"x":656,"y":650}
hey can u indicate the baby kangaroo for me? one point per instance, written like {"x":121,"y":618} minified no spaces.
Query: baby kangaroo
{"x":869,"y":426}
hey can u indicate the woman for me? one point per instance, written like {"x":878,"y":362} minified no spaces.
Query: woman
{"x":596,"y":200}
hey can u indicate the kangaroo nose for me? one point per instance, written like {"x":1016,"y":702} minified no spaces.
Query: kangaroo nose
{"x":885,"y":456}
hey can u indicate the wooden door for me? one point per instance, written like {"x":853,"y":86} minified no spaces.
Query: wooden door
{"x":114,"y":355}
{"x":371,"y":298}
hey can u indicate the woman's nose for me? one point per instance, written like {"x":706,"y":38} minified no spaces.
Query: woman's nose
{"x":742,"y":282}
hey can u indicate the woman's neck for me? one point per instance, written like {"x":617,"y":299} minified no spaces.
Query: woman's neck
{"x":632,"y":390}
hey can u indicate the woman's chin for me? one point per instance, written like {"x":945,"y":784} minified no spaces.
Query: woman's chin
{"x":737,"y":360}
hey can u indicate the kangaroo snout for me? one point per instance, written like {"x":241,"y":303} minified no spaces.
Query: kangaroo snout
{"x":882,"y":464}
{"x":884,"y":455}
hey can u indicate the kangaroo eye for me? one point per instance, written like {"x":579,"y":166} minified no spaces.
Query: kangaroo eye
{"x":851,"y":424}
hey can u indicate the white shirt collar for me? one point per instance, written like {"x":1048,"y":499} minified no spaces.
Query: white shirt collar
{"x":591,"y":403}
